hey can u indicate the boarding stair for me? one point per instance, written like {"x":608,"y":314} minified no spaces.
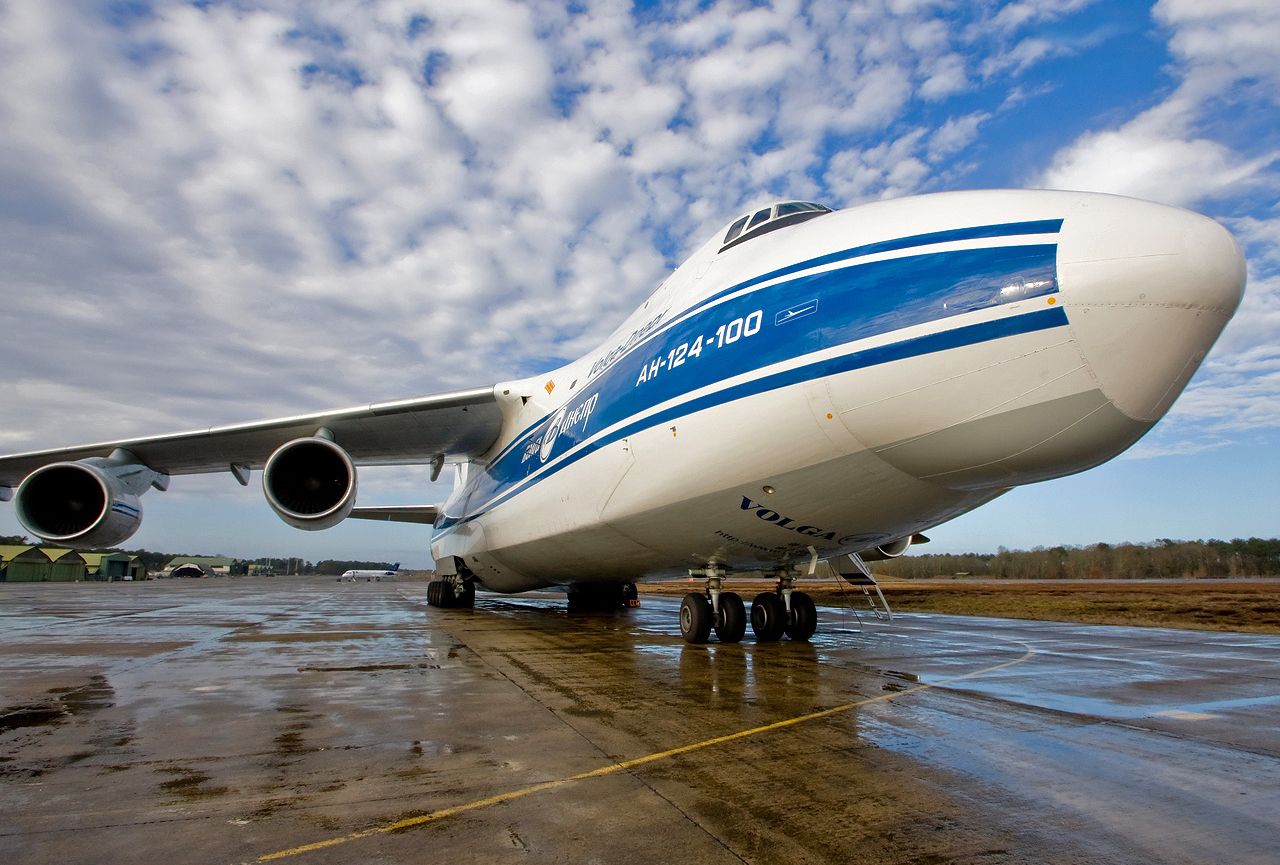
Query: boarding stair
{"x":863,"y":579}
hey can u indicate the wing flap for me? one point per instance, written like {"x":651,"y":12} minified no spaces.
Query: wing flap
{"x":403,"y":432}
{"x":421,"y":514}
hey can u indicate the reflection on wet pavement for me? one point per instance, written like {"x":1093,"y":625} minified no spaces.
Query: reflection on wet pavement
{"x":229,"y":720}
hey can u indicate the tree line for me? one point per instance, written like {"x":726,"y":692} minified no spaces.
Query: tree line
{"x":1162,"y":559}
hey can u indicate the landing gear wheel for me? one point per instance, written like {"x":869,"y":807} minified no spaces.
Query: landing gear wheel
{"x":440,"y":594}
{"x":768,"y":617}
{"x":466,"y":599}
{"x":695,"y":618}
{"x":731,"y":624}
{"x":804,"y":617}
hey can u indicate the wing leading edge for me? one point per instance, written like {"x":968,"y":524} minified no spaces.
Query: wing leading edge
{"x":404,"y":432}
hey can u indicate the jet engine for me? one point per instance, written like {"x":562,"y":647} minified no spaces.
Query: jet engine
{"x":892,"y":549}
{"x":89,"y":503}
{"x":310,"y":482}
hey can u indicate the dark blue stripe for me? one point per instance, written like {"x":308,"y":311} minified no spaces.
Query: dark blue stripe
{"x":979,"y":232}
{"x":915,"y":347}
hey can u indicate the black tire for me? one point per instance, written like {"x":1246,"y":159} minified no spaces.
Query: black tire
{"x":695,"y":618}
{"x":731,"y":624}
{"x":804,"y":617}
{"x":768,"y":617}
{"x":440,"y":594}
{"x":466,"y":599}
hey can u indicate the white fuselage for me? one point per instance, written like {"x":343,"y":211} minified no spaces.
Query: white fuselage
{"x":846,"y":382}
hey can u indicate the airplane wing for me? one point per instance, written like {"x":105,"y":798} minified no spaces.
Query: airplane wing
{"x":411,"y":431}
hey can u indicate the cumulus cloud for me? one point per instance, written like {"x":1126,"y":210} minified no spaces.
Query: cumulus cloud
{"x":1146,"y":159}
{"x":1014,"y":16}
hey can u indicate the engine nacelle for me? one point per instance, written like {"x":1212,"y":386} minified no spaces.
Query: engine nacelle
{"x":310,"y":483}
{"x":891,"y":550}
{"x":86,"y":504}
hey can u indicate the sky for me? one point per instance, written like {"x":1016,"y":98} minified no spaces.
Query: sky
{"x":218,"y":211}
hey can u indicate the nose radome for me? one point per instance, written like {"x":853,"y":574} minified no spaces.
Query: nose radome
{"x":1147,"y":289}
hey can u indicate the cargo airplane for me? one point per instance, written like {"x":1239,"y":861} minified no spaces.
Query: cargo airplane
{"x":809,"y":385}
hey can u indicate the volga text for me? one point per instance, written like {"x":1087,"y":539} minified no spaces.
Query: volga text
{"x":771,"y":516}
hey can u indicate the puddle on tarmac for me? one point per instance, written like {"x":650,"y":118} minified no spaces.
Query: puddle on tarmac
{"x":95,"y":694}
{"x":30,"y":716}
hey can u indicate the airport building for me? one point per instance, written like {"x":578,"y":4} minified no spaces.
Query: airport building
{"x":114,"y":566}
{"x":32,"y":564}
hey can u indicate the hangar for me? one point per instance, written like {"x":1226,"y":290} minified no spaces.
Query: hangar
{"x":26,"y":563}
{"x":114,"y":566}
{"x":201,"y":566}
{"x":30,"y":564}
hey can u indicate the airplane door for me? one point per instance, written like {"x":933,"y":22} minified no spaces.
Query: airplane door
{"x":619,"y":459}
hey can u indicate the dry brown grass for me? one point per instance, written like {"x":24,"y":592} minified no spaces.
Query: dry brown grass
{"x":1217,"y":605}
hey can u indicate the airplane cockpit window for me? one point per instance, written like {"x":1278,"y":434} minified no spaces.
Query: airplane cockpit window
{"x":769,"y":219}
{"x":735,"y":229}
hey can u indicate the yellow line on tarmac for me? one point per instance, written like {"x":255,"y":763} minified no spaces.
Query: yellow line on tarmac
{"x":623,"y":766}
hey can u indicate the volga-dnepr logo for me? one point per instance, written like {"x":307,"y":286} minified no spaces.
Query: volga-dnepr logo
{"x":564,"y":421}
{"x":550,"y":436}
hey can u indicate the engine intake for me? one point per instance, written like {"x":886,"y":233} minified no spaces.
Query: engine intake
{"x":892,"y":549}
{"x":310,"y":483}
{"x":86,"y":504}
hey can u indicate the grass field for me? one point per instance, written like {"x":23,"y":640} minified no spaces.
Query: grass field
{"x":1218,"y":605}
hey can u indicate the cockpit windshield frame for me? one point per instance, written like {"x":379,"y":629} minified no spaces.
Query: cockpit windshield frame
{"x":766,"y":219}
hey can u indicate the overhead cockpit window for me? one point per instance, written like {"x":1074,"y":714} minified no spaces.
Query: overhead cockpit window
{"x":800,"y":207}
{"x":769,"y":219}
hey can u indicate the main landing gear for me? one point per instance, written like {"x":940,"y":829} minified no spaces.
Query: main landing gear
{"x":782,"y":611}
{"x":451,"y":593}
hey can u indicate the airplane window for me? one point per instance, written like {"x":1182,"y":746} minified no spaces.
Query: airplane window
{"x":761,"y":216}
{"x":769,"y":219}
{"x":794,"y":207}
{"x":735,"y":229}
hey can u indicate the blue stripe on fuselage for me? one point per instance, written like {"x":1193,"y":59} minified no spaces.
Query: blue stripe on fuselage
{"x":854,"y":303}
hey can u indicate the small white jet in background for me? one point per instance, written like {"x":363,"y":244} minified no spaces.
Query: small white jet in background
{"x":370,"y":575}
{"x":809,"y":385}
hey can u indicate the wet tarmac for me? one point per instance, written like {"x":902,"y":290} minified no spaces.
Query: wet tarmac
{"x":321,"y":722}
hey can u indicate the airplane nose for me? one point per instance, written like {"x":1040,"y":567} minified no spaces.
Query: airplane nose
{"x":1147,"y":289}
